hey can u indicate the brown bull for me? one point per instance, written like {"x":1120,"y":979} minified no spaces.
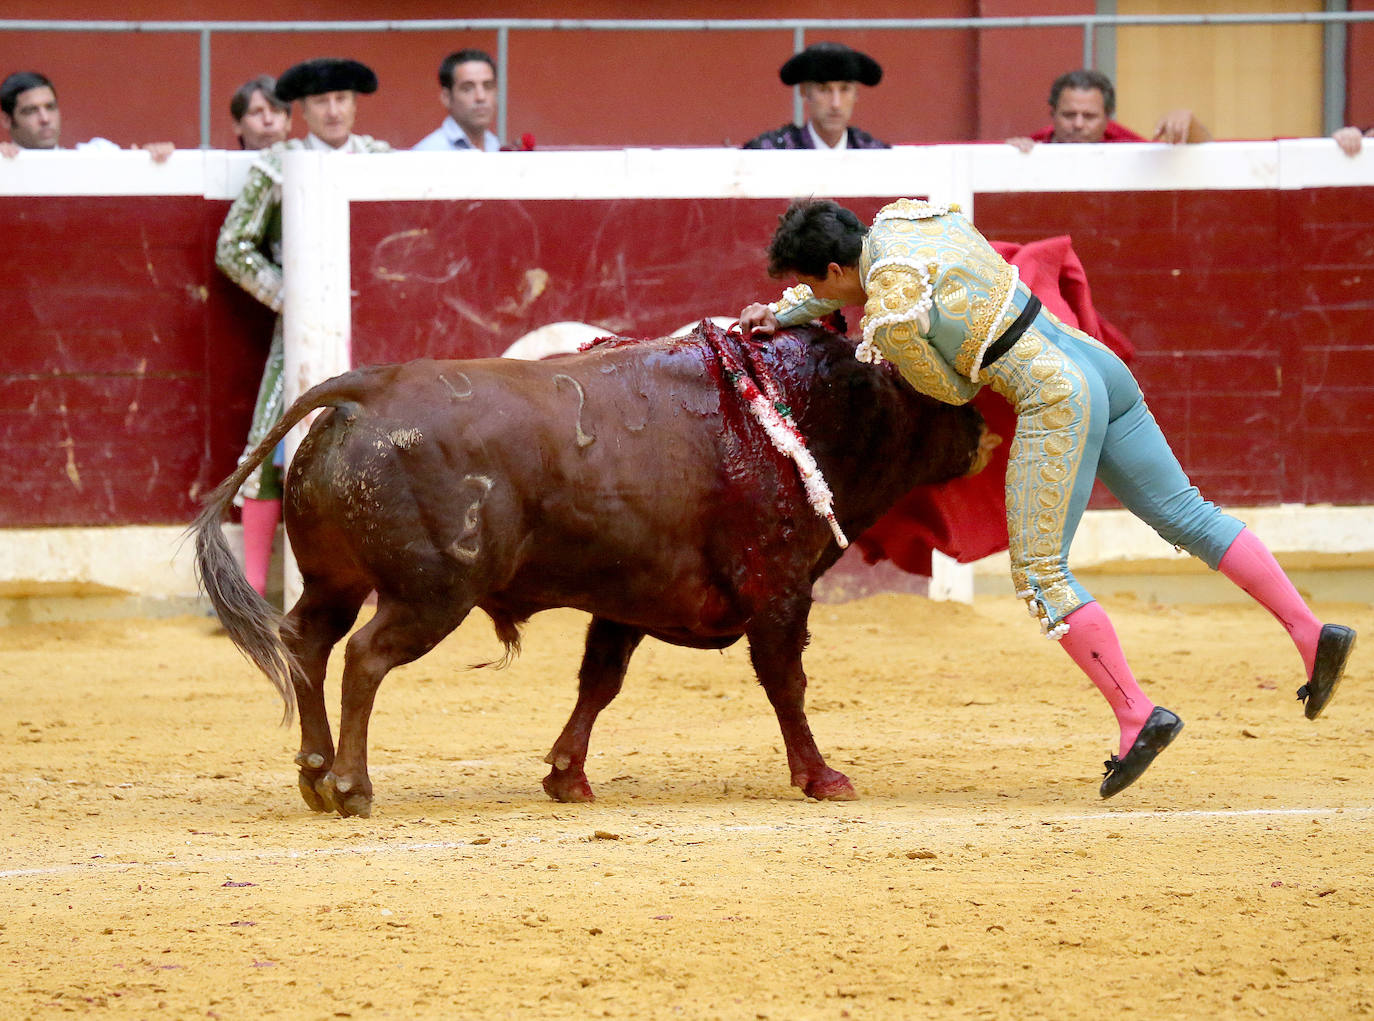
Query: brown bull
{"x":629,"y":481}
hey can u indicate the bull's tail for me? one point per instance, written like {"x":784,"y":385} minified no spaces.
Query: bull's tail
{"x":252,"y":624}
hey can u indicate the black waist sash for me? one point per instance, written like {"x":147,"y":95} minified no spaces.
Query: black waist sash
{"x":1003,"y":344}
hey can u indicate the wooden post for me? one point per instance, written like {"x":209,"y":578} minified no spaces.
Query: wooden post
{"x":317,"y":307}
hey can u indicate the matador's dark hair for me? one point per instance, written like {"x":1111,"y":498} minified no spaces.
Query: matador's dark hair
{"x":1084,"y":80}
{"x":811,"y":235}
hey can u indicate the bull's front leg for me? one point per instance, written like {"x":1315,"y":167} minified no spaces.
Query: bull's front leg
{"x":604,"y":662}
{"x":775,"y":648}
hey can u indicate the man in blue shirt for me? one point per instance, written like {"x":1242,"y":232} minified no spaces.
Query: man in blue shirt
{"x":467,"y":90}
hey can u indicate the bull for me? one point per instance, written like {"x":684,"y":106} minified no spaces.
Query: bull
{"x":628,"y":481}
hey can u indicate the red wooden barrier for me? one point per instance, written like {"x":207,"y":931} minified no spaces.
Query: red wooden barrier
{"x":128,"y":365}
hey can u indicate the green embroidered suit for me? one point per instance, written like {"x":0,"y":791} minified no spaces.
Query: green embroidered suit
{"x":249,"y":253}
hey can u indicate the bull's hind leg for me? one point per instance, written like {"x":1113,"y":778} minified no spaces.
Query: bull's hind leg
{"x":401,"y":631}
{"x":775,"y":648}
{"x":607,"y":656}
{"x":319,"y":619}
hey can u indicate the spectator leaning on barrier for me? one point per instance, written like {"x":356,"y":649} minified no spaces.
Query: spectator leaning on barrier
{"x":1081,"y":106}
{"x":467,"y":90}
{"x":29,"y":111}
{"x":249,"y":253}
{"x":260,"y":118}
{"x":1351,"y":139}
{"x":829,"y":75}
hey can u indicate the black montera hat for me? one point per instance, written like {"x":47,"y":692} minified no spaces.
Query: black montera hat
{"x":325,"y":74}
{"x":831,"y":62}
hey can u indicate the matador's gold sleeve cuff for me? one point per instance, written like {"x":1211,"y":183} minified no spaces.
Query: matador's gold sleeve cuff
{"x":798,"y":305}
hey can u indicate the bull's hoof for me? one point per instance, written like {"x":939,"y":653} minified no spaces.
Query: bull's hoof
{"x":343,"y":796}
{"x":569,"y":788}
{"x":312,"y":771}
{"x":832,"y":786}
{"x":306,"y":782}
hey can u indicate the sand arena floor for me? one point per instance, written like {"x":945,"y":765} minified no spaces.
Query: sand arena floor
{"x":158,"y":862}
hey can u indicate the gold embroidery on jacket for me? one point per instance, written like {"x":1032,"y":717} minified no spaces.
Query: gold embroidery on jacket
{"x":898,"y":295}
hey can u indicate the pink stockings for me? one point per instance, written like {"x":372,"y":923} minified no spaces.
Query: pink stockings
{"x":1250,"y":565}
{"x":260,"y":519}
{"x":1091,"y":643}
{"x":1091,"y":640}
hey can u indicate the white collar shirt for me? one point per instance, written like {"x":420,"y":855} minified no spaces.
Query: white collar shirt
{"x":821,"y":143}
{"x":354,"y":144}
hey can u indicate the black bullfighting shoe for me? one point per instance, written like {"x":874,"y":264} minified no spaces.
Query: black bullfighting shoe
{"x":1333,"y":649}
{"x":1161,"y":728}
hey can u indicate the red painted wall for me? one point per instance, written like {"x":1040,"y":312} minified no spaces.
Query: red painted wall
{"x":1014,"y":67}
{"x":128,"y":364}
{"x":1360,"y":60}
{"x":578,"y":89}
{"x":568,"y":89}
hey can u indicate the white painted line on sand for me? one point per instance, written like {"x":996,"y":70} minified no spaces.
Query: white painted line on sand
{"x":996,"y":822}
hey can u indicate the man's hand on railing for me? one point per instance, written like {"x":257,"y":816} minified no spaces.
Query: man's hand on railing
{"x":159,"y":151}
{"x":1179,"y":126}
{"x":1351,"y":139}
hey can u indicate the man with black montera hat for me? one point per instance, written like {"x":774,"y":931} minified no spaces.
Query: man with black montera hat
{"x":829,"y":75}
{"x":249,"y":253}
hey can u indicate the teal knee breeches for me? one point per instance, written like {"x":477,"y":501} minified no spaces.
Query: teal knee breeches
{"x":1080,"y":416}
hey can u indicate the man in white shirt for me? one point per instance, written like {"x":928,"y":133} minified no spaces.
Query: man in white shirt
{"x":29,"y":112}
{"x":467,"y":90}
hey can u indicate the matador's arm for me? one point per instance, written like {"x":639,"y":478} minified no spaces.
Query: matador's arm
{"x":798,"y":305}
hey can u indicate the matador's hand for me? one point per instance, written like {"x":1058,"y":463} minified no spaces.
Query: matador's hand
{"x":982,"y":457}
{"x":757,"y":318}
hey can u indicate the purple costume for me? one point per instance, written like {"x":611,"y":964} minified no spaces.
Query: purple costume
{"x":790,"y":136}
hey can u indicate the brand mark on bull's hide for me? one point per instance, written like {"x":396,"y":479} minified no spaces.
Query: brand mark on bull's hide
{"x":584,"y":439}
{"x":469,"y":541}
{"x":458,"y":395}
